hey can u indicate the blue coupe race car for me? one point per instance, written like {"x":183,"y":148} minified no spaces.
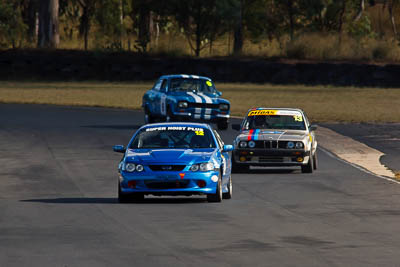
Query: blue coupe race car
{"x":186,"y":98}
{"x":175,"y":159}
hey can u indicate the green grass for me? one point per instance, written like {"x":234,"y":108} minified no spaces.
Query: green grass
{"x":321,"y":103}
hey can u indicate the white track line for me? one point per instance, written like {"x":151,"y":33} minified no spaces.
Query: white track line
{"x":356,"y":166}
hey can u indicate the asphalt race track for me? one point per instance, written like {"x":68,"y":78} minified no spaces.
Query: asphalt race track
{"x":58,"y":185}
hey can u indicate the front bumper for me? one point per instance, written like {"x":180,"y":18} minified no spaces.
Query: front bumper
{"x":271,"y":157}
{"x":213,"y":116}
{"x":168,"y":183}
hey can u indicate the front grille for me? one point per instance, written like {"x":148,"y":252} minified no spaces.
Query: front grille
{"x":270,"y":144}
{"x":167,"y":184}
{"x":259,"y":144}
{"x":282,"y":144}
{"x":172,"y":168}
{"x":203,"y":105}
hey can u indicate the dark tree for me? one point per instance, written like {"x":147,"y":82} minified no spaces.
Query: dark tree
{"x":49,"y":36}
{"x":88,"y":8}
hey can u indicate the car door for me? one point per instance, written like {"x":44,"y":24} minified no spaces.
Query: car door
{"x":152,"y":97}
{"x":311,"y":133}
{"x":226,"y":160}
{"x":162,"y":98}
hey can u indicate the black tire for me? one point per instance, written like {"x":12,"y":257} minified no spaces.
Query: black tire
{"x":148,"y":118}
{"x":315,"y":160}
{"x":217,"y":197}
{"x":169,"y":117}
{"x":122,"y":198}
{"x":136,"y":197}
{"x":239,"y":168}
{"x":127,"y":198}
{"x":222,"y":124}
{"x":309,"y":167}
{"x":228,"y":195}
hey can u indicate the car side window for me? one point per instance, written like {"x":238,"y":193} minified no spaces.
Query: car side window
{"x":157,"y":86}
{"x":164,"y":86}
{"x":219,"y":140}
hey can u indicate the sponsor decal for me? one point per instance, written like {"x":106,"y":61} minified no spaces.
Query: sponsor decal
{"x":262,"y":112}
{"x":177,"y":128}
{"x":250,"y":135}
{"x":209,"y":83}
{"x":253,"y":135}
{"x":271,"y":112}
{"x":224,"y":164}
{"x":163,"y":104}
{"x":271,"y":132}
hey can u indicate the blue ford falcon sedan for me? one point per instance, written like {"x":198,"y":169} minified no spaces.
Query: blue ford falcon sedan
{"x":186,"y":98}
{"x":175,"y":159}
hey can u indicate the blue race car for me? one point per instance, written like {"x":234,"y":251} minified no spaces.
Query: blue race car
{"x":185,"y":98}
{"x":175,"y":159}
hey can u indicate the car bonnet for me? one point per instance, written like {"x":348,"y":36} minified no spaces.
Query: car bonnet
{"x":280,"y":135}
{"x":170,"y":156}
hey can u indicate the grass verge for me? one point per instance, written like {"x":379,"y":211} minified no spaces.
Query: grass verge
{"x":321,"y":103}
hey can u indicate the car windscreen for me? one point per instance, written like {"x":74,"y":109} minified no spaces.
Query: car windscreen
{"x":290,"y":122}
{"x":173,"y":137}
{"x":191,"y":85}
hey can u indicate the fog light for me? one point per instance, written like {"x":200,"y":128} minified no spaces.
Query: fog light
{"x":242,"y":159}
{"x":299,"y":159}
{"x":214,"y":178}
{"x":201,"y":183}
{"x":132,"y":184}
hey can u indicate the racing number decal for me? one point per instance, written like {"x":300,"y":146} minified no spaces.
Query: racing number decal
{"x":262,"y":112}
{"x":199,"y":132}
{"x":163,"y":104}
{"x":298,"y":118}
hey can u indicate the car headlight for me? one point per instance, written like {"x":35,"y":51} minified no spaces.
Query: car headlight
{"x":130,"y":167}
{"x":252,"y":144}
{"x":208,"y":166}
{"x":243,"y":144}
{"x":194,"y":168}
{"x":139,"y":168}
{"x":299,"y":145}
{"x":290,"y":145}
{"x":223,"y":106}
{"x":183,"y":104}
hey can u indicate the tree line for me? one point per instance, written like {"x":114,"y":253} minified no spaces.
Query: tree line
{"x":38,"y":22}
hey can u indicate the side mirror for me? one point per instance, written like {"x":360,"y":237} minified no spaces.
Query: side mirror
{"x":119,"y":149}
{"x":312,"y":128}
{"x":219,"y":93}
{"x":236,"y":127}
{"x":227,"y":148}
